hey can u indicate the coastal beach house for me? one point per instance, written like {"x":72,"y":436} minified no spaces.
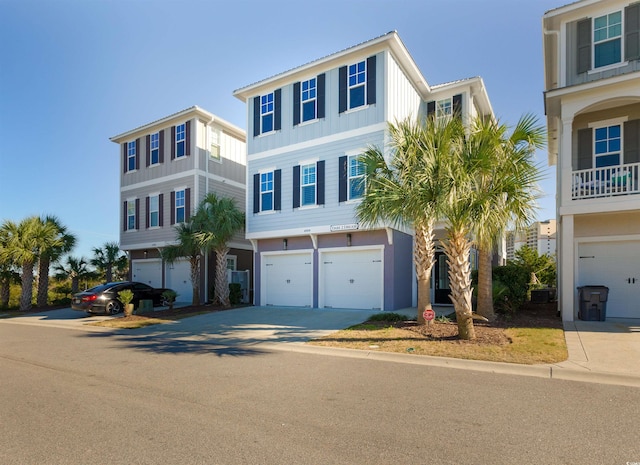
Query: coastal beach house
{"x":166,"y":168}
{"x":592,"y":101}
{"x":306,"y":129}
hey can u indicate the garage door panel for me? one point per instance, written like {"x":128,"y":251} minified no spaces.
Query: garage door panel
{"x":352,"y":279}
{"x":148,"y":272}
{"x":179,"y":279}
{"x":615,"y":265}
{"x":288,"y":280}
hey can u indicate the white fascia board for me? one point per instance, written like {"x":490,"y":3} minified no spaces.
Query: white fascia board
{"x":390,"y":41}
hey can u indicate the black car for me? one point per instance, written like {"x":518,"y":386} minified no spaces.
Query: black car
{"x":104,"y":298}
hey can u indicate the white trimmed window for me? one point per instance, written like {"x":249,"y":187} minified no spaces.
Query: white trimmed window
{"x":607,"y":39}
{"x":357,"y":80}
{"x":181,"y":132}
{"x":154,"y":211}
{"x":266,"y":191}
{"x":232,"y":261}
{"x":308,"y":184}
{"x":607,"y":145}
{"x":154,"y":149}
{"x":214,"y":138}
{"x":180,"y":206}
{"x":356,"y":177}
{"x":267,"y":112}
{"x":444,"y":108}
{"x":131,"y":215}
{"x":308,"y":99}
{"x":131,"y":156}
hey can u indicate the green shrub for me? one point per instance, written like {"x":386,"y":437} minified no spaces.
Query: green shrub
{"x":235,"y":293}
{"x":125,"y":296}
{"x":510,"y":286}
{"x":387,"y":317}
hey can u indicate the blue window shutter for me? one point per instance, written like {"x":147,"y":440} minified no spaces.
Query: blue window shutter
{"x":585,"y":148}
{"x":173,"y":144}
{"x":256,"y":193}
{"x":584,"y":45}
{"x":342,"y":97}
{"x":320,"y":182}
{"x":431,"y":108}
{"x":124,"y":219}
{"x":342,"y":179}
{"x":137,"y":213}
{"x":632,"y":32}
{"x":256,"y":116}
{"x":632,"y":141}
{"x":160,"y":210}
{"x":148,"y":151}
{"x":457,"y":105}
{"x":173,"y":207}
{"x":138,"y":153}
{"x":320,"y":95}
{"x":277,"y":190}
{"x":296,"y":103}
{"x":371,"y":80}
{"x":296,"y":186}
{"x":161,"y":147}
{"x":277,"y":110}
{"x":124,"y":158}
{"x":187,"y":204}
{"x":187,"y":129}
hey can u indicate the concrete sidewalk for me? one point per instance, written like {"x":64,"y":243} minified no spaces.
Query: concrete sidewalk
{"x":602,"y":352}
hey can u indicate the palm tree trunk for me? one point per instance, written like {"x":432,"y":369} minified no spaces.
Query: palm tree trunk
{"x":109,"y":273}
{"x":222,"y":283}
{"x":457,"y":249}
{"x":43,"y":281}
{"x":27,"y":285}
{"x":485,"y":285}
{"x":424,"y":257}
{"x":195,"y":280}
{"x":4,"y":292}
{"x":75,"y":284}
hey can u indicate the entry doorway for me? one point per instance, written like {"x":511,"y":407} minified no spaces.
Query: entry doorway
{"x":441,"y":280}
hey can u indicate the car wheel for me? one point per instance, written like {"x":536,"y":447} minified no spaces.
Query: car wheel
{"x":113,"y":307}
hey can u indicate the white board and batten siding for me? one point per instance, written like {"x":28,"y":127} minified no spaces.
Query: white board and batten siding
{"x":351,"y":278}
{"x":287,"y":278}
{"x":613,"y":264}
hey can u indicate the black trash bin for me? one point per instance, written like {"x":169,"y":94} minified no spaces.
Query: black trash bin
{"x":593,"y":303}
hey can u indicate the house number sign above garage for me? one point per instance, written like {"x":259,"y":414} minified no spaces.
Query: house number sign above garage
{"x":345,"y":227}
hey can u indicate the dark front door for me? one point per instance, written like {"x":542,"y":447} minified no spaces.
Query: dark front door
{"x":441,"y":279}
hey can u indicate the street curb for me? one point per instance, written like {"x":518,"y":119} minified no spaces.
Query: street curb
{"x":548,"y":371}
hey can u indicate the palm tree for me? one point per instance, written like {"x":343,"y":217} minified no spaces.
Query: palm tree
{"x":507,"y":196}
{"x":217,"y":220}
{"x":409,"y":190}
{"x":24,"y":242}
{"x":75,"y":269}
{"x":188,"y":245}
{"x":8,"y":274}
{"x":57,"y":244}
{"x":106,"y":258}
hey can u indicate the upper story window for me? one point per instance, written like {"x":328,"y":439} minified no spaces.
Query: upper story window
{"x":266,"y":191}
{"x":309,"y":98}
{"x":607,"y":39}
{"x":154,"y":211}
{"x":266,"y":112}
{"x":356,"y":177}
{"x":308,"y":184}
{"x":607,"y":145}
{"x":181,"y":137}
{"x":214,"y":137}
{"x":180,"y":206}
{"x":131,"y":156}
{"x":357,"y":85}
{"x":131,"y":215}
{"x":154,"y":141}
{"x":444,"y":108}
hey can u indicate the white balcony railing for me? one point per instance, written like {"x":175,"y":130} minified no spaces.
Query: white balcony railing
{"x":608,"y":181}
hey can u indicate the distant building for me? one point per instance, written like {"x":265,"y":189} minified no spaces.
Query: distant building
{"x":540,"y":236}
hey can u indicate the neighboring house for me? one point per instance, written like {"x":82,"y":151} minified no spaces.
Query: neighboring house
{"x":539,"y":236}
{"x":592,"y":101}
{"x":306,"y":129}
{"x":166,"y":169}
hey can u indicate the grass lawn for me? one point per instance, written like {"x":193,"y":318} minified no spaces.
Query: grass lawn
{"x":533,"y":336}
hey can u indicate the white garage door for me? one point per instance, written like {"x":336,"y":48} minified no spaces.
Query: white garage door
{"x":351,"y":279}
{"x":178,"y":278}
{"x":617,"y":266}
{"x":147,"y":271}
{"x":287,"y":279}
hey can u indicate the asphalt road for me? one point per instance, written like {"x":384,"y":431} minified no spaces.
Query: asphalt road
{"x":75,"y":397}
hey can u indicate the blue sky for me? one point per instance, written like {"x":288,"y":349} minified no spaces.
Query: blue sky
{"x":74,"y":73}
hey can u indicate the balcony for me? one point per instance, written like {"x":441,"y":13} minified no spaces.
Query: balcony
{"x":608,"y":181}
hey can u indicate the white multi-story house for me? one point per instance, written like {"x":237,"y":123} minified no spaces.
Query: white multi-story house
{"x":166,"y":169}
{"x":592,"y":101}
{"x":306,"y":129}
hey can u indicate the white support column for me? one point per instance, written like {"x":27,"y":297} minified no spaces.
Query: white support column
{"x":565,"y":167}
{"x":566,"y":269}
